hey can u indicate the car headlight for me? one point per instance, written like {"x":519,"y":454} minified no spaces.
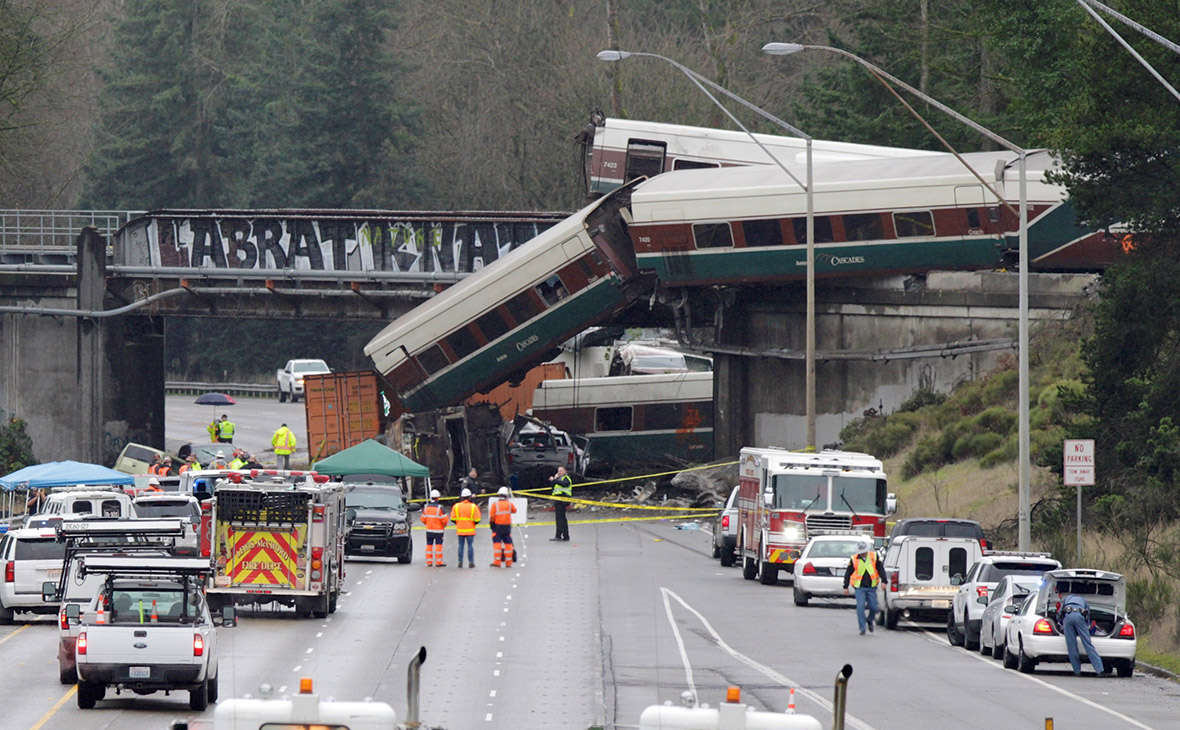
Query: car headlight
{"x":400,"y":527}
{"x":793,"y":532}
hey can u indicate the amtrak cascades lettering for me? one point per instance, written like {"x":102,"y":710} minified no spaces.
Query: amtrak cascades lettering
{"x":834,"y":261}
{"x":325,"y":244}
{"x":523,"y":345}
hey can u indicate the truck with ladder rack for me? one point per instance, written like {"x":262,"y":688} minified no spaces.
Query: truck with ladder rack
{"x":277,"y":537}
{"x":787,"y":497}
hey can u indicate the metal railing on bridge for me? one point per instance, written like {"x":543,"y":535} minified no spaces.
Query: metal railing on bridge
{"x":173,"y":387}
{"x":32,"y":232}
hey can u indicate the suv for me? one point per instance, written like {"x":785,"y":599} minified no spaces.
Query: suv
{"x":962,"y":625}
{"x":88,"y":500}
{"x":163,"y":505}
{"x":725,"y":532}
{"x":916,"y":578}
{"x":939,"y":527}
{"x":379,"y":520}
{"x":30,"y":557}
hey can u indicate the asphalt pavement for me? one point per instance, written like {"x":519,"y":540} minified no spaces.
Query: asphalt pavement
{"x":255,"y":421}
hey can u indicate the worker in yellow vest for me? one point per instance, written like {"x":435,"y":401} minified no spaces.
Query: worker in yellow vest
{"x":465,"y":515}
{"x":864,"y":575}
{"x":284,"y":443}
{"x":434,"y":517}
{"x":225,"y":430}
{"x":500,"y":515}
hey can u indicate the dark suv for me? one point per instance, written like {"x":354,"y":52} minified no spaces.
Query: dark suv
{"x":939,"y":527}
{"x":379,"y":520}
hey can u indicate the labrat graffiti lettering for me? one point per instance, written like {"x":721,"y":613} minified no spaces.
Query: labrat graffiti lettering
{"x":329,"y":242}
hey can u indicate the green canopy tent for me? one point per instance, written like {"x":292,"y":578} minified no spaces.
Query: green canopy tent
{"x":370,"y":457}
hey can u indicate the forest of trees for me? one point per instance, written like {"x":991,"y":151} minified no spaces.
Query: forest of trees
{"x":466,"y":104}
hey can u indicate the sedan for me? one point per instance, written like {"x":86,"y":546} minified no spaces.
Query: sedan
{"x":1033,"y":637}
{"x":820,"y":568}
{"x":1004,"y":600}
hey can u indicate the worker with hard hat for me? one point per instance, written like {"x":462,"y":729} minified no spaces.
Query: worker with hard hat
{"x":465,"y":515}
{"x":239,"y":460}
{"x":225,"y":430}
{"x":863,"y":575}
{"x":283,"y":442}
{"x":434,"y":517}
{"x":218,"y":461}
{"x":500,"y":515}
{"x":154,"y":485}
{"x":190,"y":464}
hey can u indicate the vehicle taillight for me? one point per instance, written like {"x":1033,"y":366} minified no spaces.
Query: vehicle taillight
{"x":317,"y":513}
{"x":982,"y":544}
{"x":809,"y":569}
{"x":62,"y":620}
{"x":981,"y":591}
{"x":893,"y":582}
{"x":1127,"y":631}
{"x":198,"y":644}
{"x":10,"y":572}
{"x":317,"y":562}
{"x":80,"y":644}
{"x":569,"y":461}
{"x":725,"y":522}
{"x":1042,"y":626}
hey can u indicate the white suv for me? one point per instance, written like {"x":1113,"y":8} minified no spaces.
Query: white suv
{"x":30,"y":556}
{"x":962,"y":625}
{"x":725,"y":532}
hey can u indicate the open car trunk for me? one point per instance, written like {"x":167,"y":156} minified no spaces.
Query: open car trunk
{"x":1105,"y":592}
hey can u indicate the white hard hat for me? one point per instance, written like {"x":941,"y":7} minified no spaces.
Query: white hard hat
{"x":220,"y":454}
{"x":435,"y":494}
{"x":862,"y":546}
{"x":465,"y":493}
{"x":503,"y":492}
{"x":153,"y":482}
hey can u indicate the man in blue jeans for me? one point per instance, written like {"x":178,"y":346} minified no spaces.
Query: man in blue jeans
{"x":864,"y":576}
{"x":1074,"y":616}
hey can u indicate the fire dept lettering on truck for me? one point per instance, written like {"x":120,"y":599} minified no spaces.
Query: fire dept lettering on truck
{"x":264,"y":557}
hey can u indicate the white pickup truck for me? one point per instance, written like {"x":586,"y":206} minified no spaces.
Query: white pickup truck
{"x":290,"y":377}
{"x":149,"y":630}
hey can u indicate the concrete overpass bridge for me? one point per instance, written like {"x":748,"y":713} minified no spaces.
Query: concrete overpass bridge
{"x":82,"y":315}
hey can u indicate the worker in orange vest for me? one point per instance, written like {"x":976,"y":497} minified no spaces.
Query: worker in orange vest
{"x":500,"y":515}
{"x":465,"y":515}
{"x":434,"y":517}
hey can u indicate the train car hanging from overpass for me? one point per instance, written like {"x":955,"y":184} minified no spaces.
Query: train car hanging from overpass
{"x":913,"y":214}
{"x":512,"y":314}
{"x":618,"y":151}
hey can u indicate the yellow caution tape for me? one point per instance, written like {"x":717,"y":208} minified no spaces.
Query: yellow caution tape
{"x":542,"y":523}
{"x":622,"y":505}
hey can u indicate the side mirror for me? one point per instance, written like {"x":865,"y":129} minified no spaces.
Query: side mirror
{"x":229,"y":617}
{"x":768,"y":498}
{"x":890,"y":503}
{"x":1011,"y":608}
{"x":414,"y":507}
{"x":73,"y":611}
{"x":350,"y":516}
{"x":982,"y":600}
{"x":49,"y":592}
{"x":957,"y":580}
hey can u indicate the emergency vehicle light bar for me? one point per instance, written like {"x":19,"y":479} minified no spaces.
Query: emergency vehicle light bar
{"x":1017,"y":554}
{"x":88,"y":488}
{"x":171,"y":527}
{"x":162,"y":565}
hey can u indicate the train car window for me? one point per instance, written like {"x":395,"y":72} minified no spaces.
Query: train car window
{"x":914,"y":223}
{"x":669,"y":416}
{"x":522,"y":307}
{"x":644,"y":158}
{"x":492,"y":325}
{"x":433,"y":360}
{"x":615,"y":418}
{"x":587,"y":270}
{"x":682,"y":164}
{"x":462,"y":342}
{"x":552,"y":290}
{"x":973,"y":218}
{"x":712,"y":235}
{"x":863,"y":227}
{"x":762,"y":233}
{"x":823,"y":229}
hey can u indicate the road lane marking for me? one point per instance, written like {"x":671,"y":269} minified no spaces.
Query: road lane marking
{"x":1043,"y":683}
{"x":297,"y":668}
{"x":14,"y":633}
{"x":692,"y":687}
{"x":52,"y":710}
{"x":765,"y":670}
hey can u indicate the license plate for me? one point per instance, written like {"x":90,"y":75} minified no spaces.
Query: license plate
{"x":368,"y":548}
{"x":838,"y":572}
{"x":139,"y":672}
{"x":942,"y":604}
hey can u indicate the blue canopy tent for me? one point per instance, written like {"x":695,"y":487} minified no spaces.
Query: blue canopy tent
{"x":59,"y":474}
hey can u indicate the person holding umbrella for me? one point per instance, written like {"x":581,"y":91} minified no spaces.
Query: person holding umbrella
{"x":225,"y":430}
{"x":219,"y":431}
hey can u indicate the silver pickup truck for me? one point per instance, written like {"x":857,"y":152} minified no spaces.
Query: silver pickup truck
{"x":148,"y":630}
{"x":536,"y":449}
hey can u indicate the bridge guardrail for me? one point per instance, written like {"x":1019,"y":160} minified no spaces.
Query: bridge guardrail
{"x":173,"y":387}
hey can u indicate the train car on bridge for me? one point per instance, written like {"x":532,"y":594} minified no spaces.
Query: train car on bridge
{"x":748,"y":224}
{"x":618,"y":151}
{"x":513,"y":313}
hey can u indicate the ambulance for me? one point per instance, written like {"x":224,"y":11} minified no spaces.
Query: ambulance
{"x":276,"y":537}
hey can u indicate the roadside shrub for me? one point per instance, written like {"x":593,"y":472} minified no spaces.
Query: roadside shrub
{"x":1005,"y":453}
{"x":16,"y":448}
{"x":973,"y":445}
{"x":996,"y":420}
{"x":926,"y":453}
{"x":1000,"y":387}
{"x":920,"y":399}
{"x":1148,"y":600}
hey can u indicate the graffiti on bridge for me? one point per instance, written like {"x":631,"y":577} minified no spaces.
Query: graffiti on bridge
{"x":331,"y":244}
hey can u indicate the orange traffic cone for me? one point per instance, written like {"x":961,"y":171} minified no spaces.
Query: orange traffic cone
{"x":155,"y":616}
{"x":791,"y":703}
{"x":102,"y":617}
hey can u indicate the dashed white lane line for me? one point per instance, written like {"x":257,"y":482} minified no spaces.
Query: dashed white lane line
{"x":488,"y":718}
{"x":319,"y":634}
{"x":297,"y":668}
{"x":495,"y":672}
{"x":310,"y":650}
{"x":492,"y":694}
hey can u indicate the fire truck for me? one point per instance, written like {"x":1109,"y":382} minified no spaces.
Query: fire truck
{"x":276,"y":537}
{"x":787,"y":497}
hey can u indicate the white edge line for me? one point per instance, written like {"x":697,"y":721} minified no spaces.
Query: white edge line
{"x":680,"y":643}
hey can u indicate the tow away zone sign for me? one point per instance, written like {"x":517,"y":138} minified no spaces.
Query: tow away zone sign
{"x":1079,"y":462}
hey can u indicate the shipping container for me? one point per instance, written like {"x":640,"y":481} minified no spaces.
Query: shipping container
{"x":516,"y":400}
{"x":344,"y":409}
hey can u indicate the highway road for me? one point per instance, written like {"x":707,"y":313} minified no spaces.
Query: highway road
{"x":591,"y":632}
{"x":255,"y":419}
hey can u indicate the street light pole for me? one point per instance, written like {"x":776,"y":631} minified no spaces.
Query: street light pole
{"x":1025,"y":471}
{"x":701,"y":82}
